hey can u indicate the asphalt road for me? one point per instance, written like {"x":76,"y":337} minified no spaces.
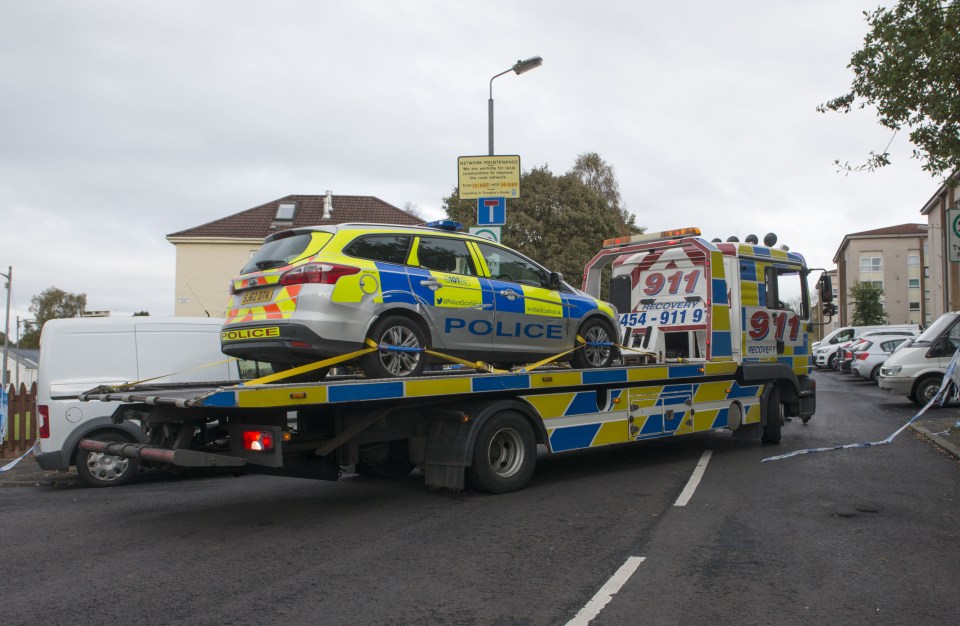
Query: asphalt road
{"x":853,"y":536}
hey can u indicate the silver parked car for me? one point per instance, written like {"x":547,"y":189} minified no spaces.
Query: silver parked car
{"x":872,"y":354}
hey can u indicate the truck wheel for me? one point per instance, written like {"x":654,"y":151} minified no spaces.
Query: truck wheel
{"x":504,"y":454}
{"x":926,"y":389}
{"x":395,"y":330}
{"x":96,"y":469}
{"x":595,"y":330}
{"x":396,"y":464}
{"x":774,"y":418}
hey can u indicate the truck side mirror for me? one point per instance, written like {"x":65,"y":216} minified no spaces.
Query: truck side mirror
{"x":825,"y":289}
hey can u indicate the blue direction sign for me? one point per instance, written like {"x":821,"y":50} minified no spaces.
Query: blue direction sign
{"x":491,"y":211}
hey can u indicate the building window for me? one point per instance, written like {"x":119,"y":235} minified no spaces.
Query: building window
{"x":285,"y":211}
{"x":913,"y":260}
{"x":914,"y":306}
{"x":876,"y":283}
{"x":871,"y":264}
{"x":913,"y":283}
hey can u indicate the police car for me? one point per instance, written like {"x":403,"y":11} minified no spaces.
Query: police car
{"x":323,"y":291}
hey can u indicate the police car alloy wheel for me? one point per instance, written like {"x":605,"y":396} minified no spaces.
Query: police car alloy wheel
{"x":401,"y":342}
{"x":594,"y":331}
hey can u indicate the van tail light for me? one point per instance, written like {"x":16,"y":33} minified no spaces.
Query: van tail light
{"x":862,"y":356}
{"x":322,"y":273}
{"x":43,"y":423}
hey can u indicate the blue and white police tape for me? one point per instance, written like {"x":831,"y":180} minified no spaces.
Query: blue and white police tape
{"x":9,"y":466}
{"x":949,"y":390}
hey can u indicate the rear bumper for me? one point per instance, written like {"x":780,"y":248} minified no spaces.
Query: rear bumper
{"x":281,"y":342}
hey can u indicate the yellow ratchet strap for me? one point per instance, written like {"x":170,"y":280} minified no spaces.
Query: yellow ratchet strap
{"x":309,"y":367}
{"x":480,"y":365}
{"x":526,"y":368}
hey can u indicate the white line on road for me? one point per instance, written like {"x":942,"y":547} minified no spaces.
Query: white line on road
{"x":606,"y":593}
{"x":698,"y":471}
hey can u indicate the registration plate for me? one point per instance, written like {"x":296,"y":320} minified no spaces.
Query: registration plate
{"x":256,"y":296}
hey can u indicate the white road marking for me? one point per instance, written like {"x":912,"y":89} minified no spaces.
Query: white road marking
{"x":698,"y":471}
{"x":606,"y":593}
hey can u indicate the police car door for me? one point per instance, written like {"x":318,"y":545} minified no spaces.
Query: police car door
{"x":529,"y":316}
{"x":457,"y":302}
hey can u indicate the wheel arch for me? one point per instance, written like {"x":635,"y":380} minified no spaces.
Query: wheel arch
{"x":96,"y":426}
{"x":410,"y":314}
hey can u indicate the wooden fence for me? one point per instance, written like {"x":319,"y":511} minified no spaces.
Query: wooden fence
{"x":21,"y":420}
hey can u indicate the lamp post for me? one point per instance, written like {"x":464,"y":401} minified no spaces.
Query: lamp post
{"x":6,"y":326}
{"x":519,"y":67}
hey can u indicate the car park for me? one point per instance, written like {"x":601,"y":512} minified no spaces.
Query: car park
{"x":313,"y":293}
{"x":917,"y":370}
{"x":831,"y":356}
{"x":872,"y":353}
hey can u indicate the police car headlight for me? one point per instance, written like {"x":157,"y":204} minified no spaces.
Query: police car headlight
{"x":893,"y":370}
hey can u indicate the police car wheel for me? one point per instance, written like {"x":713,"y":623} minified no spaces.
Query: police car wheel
{"x":594,"y":331}
{"x":96,"y":469}
{"x":401,"y":333}
{"x":504,"y":454}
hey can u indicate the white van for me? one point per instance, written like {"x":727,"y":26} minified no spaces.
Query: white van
{"x":825,"y":351}
{"x":917,"y":370}
{"x":79,"y":354}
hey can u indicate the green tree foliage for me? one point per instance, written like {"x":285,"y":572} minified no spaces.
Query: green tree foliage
{"x":559,"y":221}
{"x":909,"y":69}
{"x":51,"y":304}
{"x":867,"y":306}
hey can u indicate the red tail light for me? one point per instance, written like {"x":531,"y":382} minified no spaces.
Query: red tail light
{"x":258,"y":440}
{"x":322,"y":273}
{"x":862,"y":356}
{"x":43,"y":423}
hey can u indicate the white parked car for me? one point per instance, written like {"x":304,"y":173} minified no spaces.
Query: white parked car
{"x":872,"y":353}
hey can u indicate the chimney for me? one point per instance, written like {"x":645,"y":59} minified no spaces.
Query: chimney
{"x":328,"y":205}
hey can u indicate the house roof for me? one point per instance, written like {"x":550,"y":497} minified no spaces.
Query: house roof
{"x":260,"y":221}
{"x":29,"y":359}
{"x":900,"y":230}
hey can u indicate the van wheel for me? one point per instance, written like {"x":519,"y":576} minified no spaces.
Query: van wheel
{"x":504,"y":454}
{"x":926,"y":389}
{"x":595,"y":331}
{"x":96,"y":469}
{"x":395,"y":330}
{"x":833,"y":362}
{"x":774,"y":418}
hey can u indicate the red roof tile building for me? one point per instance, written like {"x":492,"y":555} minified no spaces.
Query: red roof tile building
{"x":210,"y":254}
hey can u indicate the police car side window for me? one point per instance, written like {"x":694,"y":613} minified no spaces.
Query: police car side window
{"x":386,"y":248}
{"x":445,"y":254}
{"x":505,"y":265}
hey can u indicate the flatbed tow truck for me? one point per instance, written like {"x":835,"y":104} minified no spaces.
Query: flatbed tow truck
{"x":707,"y":344}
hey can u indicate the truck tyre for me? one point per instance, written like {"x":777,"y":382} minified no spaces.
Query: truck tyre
{"x":773,"y":412}
{"x":96,"y":469}
{"x":396,"y":465}
{"x":595,"y":330}
{"x":504,"y":454}
{"x":395,"y":330}
{"x":926,"y":389}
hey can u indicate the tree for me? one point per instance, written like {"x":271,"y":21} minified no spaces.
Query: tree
{"x":413,"y":209}
{"x":558,"y":221}
{"x":51,"y":304}
{"x":867,"y":306}
{"x":909,"y":69}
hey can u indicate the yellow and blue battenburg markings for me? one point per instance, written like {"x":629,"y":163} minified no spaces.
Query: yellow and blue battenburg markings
{"x":625,"y":404}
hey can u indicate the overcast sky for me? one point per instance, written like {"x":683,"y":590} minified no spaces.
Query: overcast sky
{"x":124,"y":121}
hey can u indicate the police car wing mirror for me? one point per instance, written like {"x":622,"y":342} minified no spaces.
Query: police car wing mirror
{"x":555,"y":279}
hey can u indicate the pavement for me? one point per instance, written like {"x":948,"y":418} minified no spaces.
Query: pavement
{"x":942,"y":432}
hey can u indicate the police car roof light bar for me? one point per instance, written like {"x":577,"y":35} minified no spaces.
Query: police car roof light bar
{"x":450,"y":225}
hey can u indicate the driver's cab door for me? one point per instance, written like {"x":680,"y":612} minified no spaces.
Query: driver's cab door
{"x":529,"y":315}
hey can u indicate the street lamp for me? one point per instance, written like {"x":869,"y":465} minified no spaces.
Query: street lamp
{"x":519,"y":67}
{"x":6,"y":326}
